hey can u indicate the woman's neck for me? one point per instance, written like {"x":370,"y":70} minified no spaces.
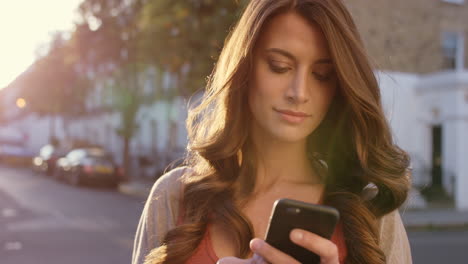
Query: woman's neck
{"x":280,"y":162}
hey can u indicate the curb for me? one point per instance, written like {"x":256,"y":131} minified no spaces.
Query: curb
{"x":435,"y":225}
{"x":434,"y":218}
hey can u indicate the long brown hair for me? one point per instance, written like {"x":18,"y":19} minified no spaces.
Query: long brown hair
{"x":354,"y":140}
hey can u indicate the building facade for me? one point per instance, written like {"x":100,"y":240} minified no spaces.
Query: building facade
{"x":419,"y":49}
{"x":159,"y":135}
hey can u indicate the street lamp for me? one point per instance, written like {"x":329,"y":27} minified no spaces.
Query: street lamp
{"x":21,"y":103}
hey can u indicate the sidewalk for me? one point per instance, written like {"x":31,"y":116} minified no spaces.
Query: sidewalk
{"x":140,"y":189}
{"x":434,"y":218}
{"x":417,"y":213}
{"x":413,"y":217}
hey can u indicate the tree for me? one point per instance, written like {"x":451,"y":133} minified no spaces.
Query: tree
{"x":121,"y":38}
{"x":111,"y":27}
{"x":186,"y":37}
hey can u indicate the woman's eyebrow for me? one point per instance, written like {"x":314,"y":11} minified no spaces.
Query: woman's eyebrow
{"x":292,"y":57}
{"x":323,"y":61}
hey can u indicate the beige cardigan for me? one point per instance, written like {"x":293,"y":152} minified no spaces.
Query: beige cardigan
{"x":161,"y":211}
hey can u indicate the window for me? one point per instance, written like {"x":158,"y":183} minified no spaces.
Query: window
{"x":453,"y":50}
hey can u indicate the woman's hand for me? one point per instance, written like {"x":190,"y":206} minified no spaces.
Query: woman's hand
{"x":264,"y":253}
{"x":326,"y":249}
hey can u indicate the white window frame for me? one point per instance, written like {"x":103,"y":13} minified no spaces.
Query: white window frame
{"x":460,"y":51}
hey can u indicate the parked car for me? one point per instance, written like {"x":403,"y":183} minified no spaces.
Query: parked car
{"x":14,"y":148}
{"x":88,"y":165}
{"x":47,"y":158}
{"x":61,"y":167}
{"x":13,"y":153}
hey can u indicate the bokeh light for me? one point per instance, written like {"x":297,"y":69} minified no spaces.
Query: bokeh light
{"x":21,"y":103}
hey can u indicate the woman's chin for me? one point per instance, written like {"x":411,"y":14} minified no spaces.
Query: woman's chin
{"x":289,"y":136}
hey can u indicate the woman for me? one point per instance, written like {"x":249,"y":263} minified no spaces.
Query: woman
{"x":292,"y":110}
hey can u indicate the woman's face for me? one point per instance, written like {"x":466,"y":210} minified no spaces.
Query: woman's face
{"x":293,"y":81}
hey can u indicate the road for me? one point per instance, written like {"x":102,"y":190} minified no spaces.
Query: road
{"x":442,"y":246}
{"x":43,"y":221}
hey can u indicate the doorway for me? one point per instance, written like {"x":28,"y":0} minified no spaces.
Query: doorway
{"x":437,"y":156}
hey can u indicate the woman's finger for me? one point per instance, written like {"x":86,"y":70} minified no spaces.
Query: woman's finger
{"x":326,"y":249}
{"x":269,"y":253}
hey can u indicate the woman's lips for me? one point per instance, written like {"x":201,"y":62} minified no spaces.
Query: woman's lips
{"x":292,"y":116}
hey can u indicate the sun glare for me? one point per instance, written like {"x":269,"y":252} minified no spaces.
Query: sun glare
{"x":25,"y":26}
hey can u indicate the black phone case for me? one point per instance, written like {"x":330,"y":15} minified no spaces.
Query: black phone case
{"x":289,"y":214}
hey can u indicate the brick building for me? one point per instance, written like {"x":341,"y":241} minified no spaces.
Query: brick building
{"x":416,"y":36}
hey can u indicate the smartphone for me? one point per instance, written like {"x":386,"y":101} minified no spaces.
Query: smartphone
{"x":289,"y":214}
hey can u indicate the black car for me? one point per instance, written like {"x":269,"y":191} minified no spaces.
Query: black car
{"x":88,"y":165}
{"x":46,"y":159}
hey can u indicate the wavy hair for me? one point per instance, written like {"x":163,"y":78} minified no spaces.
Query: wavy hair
{"x":354,"y":140}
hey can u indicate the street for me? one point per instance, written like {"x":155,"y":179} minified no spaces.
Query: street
{"x":439,"y":246}
{"x":43,"y":221}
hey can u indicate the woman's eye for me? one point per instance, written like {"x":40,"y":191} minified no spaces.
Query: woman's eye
{"x":278,"y":69}
{"x":323,"y":77}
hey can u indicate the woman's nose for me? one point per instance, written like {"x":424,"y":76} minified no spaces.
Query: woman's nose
{"x":297,"y":92}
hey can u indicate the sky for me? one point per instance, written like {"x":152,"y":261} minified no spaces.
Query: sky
{"x":25,"y":25}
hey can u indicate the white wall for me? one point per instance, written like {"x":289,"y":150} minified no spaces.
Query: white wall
{"x":36,"y":130}
{"x":413,"y":105}
{"x":461,"y":194}
{"x":444,"y":96}
{"x":162,"y":113}
{"x":402,"y":107}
